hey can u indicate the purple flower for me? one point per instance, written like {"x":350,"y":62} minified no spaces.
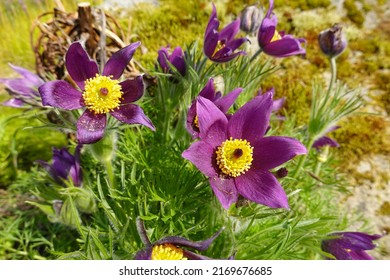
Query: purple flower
{"x":325,"y":140}
{"x":171,"y":247}
{"x":65,"y":166}
{"x":350,"y":245}
{"x":23,"y":90}
{"x":276,"y":43}
{"x":221,"y":46}
{"x":176,"y":59}
{"x":98,"y":93}
{"x":236,"y":156}
{"x":222,"y":102}
{"x":332,"y":41}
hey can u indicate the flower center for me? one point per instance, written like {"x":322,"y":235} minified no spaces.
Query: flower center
{"x":167,"y":252}
{"x":234,"y":157}
{"x":196,"y":122}
{"x":220,"y":46}
{"x":276,"y":36}
{"x":102,"y":94}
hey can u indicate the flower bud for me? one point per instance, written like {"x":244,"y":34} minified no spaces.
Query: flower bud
{"x":332,"y":41}
{"x":251,"y":18}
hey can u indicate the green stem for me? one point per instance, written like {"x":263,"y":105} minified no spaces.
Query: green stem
{"x":255,"y":55}
{"x":317,"y":168}
{"x":333,"y":73}
{"x":110,"y":174}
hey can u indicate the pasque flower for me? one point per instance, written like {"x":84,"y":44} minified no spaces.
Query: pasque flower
{"x":176,"y":58}
{"x":222,"y":102}
{"x":276,"y":43}
{"x":98,"y":93}
{"x":350,"y":245}
{"x":23,"y":90}
{"x":332,"y":41}
{"x":64,"y":166}
{"x":236,"y":156}
{"x":171,"y":247}
{"x":221,"y":46}
{"x":326,"y":140}
{"x":251,"y":17}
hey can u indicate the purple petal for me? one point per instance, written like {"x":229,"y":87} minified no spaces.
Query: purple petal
{"x":119,"y":60}
{"x":225,"y":102}
{"x":229,"y":31}
{"x":262,"y":187}
{"x":278,"y":104}
{"x":193,"y":256}
{"x":191,"y":128}
{"x":197,"y":245}
{"x":236,"y":43}
{"x":201,"y":154}
{"x":251,"y":121}
{"x":360,"y":255}
{"x":270,"y":8}
{"x":14,"y":102}
{"x":90,"y":127}
{"x":212,"y":122}
{"x":226,"y":55}
{"x":20,"y":86}
{"x":325,"y":141}
{"x":284,"y":47}
{"x":132,"y":90}
{"x":225,"y":190}
{"x":60,"y":94}
{"x":358,"y":240}
{"x":145,"y":254}
{"x":210,"y":43}
{"x":267,"y":30}
{"x":162,"y":58}
{"x":208,"y":91}
{"x":132,"y":114}
{"x":79,"y":65}
{"x":270,"y":152}
{"x":213,"y":22}
{"x":31,"y":78}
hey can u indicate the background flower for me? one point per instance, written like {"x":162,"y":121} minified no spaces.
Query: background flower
{"x":176,"y":58}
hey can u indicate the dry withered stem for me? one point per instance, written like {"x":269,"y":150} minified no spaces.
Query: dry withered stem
{"x":53,"y":32}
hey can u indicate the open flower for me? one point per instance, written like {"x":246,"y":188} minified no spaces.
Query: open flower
{"x":171,"y":247}
{"x":221,"y":46}
{"x":176,"y":58}
{"x":23,"y":90}
{"x":98,"y":93}
{"x":276,"y":43}
{"x":222,"y":102}
{"x":350,"y":245}
{"x":65,"y":166}
{"x":236,"y":156}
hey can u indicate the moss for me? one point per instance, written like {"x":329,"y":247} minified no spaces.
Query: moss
{"x":303,"y":4}
{"x":353,"y":13}
{"x":362,"y":135}
{"x":384,"y":210}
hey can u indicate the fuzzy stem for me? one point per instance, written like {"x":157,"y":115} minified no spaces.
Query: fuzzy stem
{"x":333,"y":73}
{"x":110,"y":173}
{"x":256,"y":54}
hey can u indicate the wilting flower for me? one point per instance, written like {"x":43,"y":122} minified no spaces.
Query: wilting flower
{"x":221,"y":46}
{"x":171,"y":247}
{"x":350,"y":245}
{"x":332,"y":41}
{"x":276,"y":43}
{"x":326,"y":140}
{"x":251,"y":17}
{"x":23,"y":90}
{"x":176,"y":59}
{"x":64,"y":166}
{"x":237,"y":157}
{"x":98,"y":93}
{"x":222,"y":102}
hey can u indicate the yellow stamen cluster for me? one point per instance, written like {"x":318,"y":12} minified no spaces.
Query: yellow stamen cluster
{"x":219,"y":46}
{"x":102,"y":94}
{"x":276,"y":36}
{"x":167,"y":252}
{"x":234,"y":157}
{"x":196,"y":122}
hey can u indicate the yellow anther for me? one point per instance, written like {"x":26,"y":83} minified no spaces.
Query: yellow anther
{"x":167,"y":252}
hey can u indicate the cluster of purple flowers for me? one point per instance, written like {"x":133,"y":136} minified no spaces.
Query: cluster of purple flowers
{"x":232,"y":150}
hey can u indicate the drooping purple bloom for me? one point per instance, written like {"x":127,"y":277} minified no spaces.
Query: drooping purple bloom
{"x":326,"y":140}
{"x":176,"y":58}
{"x":24,"y":91}
{"x":332,"y":41}
{"x":236,"y":156}
{"x":222,"y":102}
{"x":64,"y":166}
{"x":171,"y":247}
{"x":221,"y":46}
{"x":350,"y":245}
{"x":276,"y":43}
{"x":98,"y":93}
